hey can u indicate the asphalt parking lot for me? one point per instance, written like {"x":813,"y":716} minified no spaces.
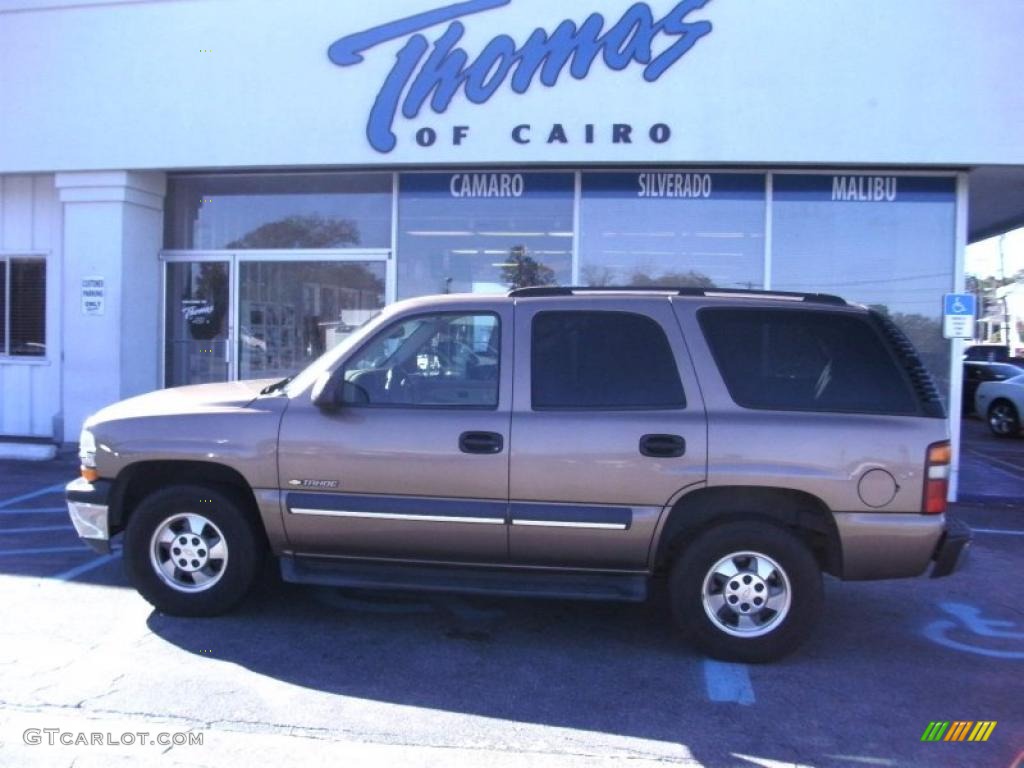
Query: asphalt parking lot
{"x":323,"y":676}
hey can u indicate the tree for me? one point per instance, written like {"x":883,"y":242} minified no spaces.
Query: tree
{"x":312,"y":231}
{"x":523,"y":271}
{"x":688,"y":279}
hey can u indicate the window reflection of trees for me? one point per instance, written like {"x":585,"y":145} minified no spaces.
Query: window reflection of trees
{"x":523,"y":271}
{"x":926,"y":335}
{"x":599,"y":276}
{"x":313,"y":231}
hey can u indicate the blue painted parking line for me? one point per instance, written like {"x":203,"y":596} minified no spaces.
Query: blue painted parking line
{"x":997,"y":531}
{"x":98,"y":562}
{"x":43,"y":551}
{"x":37,"y":510}
{"x":728,"y":682}
{"x":36,"y":529}
{"x":33,"y":495}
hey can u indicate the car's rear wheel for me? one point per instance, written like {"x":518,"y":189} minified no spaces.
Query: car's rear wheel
{"x":1003,"y":419}
{"x":193,"y":550}
{"x":746,"y":591}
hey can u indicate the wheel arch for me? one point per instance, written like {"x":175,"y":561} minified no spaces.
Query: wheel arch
{"x":138,"y":480}
{"x":704,"y":508}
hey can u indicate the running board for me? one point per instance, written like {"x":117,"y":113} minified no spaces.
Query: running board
{"x":507,"y":582}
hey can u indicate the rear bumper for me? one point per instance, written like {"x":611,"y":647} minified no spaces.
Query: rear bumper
{"x":951,"y":551}
{"x":89,"y":511}
{"x":891,"y":545}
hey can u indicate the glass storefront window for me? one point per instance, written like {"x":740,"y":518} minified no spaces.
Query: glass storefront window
{"x":483,"y":232}
{"x":291,"y":312}
{"x":883,"y":241}
{"x":279,"y":211}
{"x":672,"y":228}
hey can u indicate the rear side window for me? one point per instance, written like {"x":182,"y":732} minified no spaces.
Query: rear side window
{"x":602,"y":360}
{"x":805,"y":361}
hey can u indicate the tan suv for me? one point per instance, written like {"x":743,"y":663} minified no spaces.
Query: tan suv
{"x":555,"y":442}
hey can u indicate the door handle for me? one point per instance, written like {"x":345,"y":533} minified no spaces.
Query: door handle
{"x":662,"y":446}
{"x":481,"y":442}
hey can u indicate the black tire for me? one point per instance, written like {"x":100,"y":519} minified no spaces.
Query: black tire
{"x":784,"y":630}
{"x":1003,"y":419}
{"x":229,"y":515}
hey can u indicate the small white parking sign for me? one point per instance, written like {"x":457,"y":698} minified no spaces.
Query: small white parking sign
{"x":958,"y":311}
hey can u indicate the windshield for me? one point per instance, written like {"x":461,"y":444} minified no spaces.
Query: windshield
{"x":305,"y":378}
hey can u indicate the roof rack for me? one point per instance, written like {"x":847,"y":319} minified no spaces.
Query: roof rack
{"x":573,"y":290}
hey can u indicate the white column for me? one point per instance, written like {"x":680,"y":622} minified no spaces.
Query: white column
{"x":113,"y":229}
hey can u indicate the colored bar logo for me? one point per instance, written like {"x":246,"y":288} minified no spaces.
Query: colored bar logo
{"x":958,"y":730}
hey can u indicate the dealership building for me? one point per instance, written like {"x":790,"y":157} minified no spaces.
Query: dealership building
{"x":209,"y":190}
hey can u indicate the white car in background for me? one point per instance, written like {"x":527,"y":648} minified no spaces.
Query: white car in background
{"x":1001,"y":403}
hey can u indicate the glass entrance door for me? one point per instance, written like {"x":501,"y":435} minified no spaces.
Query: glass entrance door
{"x":265,"y":315}
{"x":197,"y":323}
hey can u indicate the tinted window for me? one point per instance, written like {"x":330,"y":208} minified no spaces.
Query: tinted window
{"x":27,"y":324}
{"x":987,"y":354}
{"x":602,"y":360}
{"x":430,"y":360}
{"x":805,"y":361}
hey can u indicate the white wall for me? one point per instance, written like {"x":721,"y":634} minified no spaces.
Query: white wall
{"x":30,"y":224}
{"x":129,"y":85}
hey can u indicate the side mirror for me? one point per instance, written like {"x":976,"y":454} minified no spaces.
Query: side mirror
{"x":325,"y":392}
{"x":332,"y":392}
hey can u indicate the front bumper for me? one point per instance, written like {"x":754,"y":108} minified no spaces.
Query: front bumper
{"x":89,"y":510}
{"x":951,"y":551}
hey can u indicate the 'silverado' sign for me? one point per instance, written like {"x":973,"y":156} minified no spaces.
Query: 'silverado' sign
{"x":435,"y":73}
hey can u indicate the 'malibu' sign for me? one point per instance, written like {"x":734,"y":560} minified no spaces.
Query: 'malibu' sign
{"x":436,"y":72}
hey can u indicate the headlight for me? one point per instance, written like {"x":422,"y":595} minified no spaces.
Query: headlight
{"x":87,"y":454}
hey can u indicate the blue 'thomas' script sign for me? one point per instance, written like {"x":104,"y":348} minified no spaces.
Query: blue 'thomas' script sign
{"x":863,"y":188}
{"x":438,"y":71}
{"x":679,"y":185}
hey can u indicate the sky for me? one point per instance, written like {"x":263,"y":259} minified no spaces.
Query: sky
{"x":982,"y":257}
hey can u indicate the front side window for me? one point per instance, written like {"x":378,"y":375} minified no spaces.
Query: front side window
{"x":445,"y":359}
{"x":805,"y":361}
{"x":23,"y":307}
{"x":602,"y":361}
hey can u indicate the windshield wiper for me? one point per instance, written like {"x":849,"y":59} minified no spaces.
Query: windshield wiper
{"x":275,"y":386}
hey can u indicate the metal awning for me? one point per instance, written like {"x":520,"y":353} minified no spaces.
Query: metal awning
{"x":996,"y":203}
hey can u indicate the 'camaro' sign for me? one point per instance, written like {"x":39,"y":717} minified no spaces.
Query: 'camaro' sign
{"x":436,"y":72}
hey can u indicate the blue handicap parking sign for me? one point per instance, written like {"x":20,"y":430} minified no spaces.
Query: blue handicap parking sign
{"x":959,"y":304}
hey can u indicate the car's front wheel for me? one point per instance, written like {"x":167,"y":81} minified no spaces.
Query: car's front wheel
{"x":1003,"y":419}
{"x":193,"y":550}
{"x":746,"y":591}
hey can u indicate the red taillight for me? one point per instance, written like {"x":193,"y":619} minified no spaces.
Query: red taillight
{"x":936,"y":478}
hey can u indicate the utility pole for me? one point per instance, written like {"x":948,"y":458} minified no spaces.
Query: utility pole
{"x":1004,"y":337}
